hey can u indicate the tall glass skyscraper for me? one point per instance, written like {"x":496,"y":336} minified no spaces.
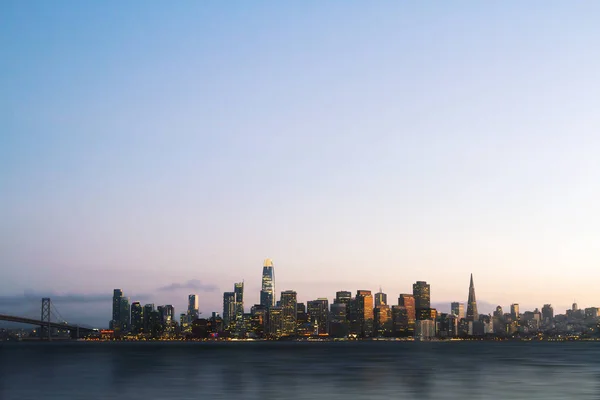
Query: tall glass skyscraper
{"x":192,"y":310}
{"x":137,"y":317}
{"x":289,"y":306}
{"x":116,"y":309}
{"x":228,"y":309}
{"x":238,"y":290}
{"x":421,"y":291}
{"x":267,"y":293}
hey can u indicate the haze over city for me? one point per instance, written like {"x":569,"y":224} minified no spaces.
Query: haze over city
{"x":169,"y":150}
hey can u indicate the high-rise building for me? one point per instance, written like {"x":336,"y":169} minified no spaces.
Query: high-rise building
{"x":229,"y":310}
{"x":421,"y":291}
{"x":168,"y":314}
{"x":408,"y":301}
{"x":259,"y":316}
{"x":547,"y":313}
{"x":457,"y":309}
{"x":318,"y":311}
{"x":275,"y":321}
{"x":380,"y":298}
{"x":472,"y":314}
{"x":289,"y":312}
{"x":338,"y":324}
{"x":400,"y":321}
{"x":148,"y":310}
{"x":192,"y":310}
{"x":514,"y":312}
{"x":364,"y":306}
{"x":342,"y":297}
{"x":124,"y":314}
{"x":137,"y":318}
{"x":425,"y":330}
{"x":239,"y":302}
{"x":267,"y":293}
{"x":116,"y":310}
{"x":382,"y":317}
{"x":300,"y":308}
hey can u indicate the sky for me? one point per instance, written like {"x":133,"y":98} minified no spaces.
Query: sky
{"x":168,"y":149}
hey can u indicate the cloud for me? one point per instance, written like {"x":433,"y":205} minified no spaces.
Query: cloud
{"x":193,"y":284}
{"x":62,"y":298}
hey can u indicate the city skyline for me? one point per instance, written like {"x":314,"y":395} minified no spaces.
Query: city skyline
{"x":191,"y":306}
{"x":149,"y":147}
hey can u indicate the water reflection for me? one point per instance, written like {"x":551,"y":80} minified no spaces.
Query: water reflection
{"x":300,"y":371}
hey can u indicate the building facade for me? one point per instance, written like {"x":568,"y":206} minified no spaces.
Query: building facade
{"x":267,"y":293}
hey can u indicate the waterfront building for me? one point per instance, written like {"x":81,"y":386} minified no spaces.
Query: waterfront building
{"x":472,"y":314}
{"x":229,"y":310}
{"x":148,"y":309}
{"x":259,"y":320}
{"x":318,"y":312}
{"x":547,"y":314}
{"x":382,"y":316}
{"x":400,"y":324}
{"x":137,"y":318}
{"x":275,"y":321}
{"x":192,"y":311}
{"x":425,"y":329}
{"x":514,"y":312}
{"x":338,"y":322}
{"x":267,"y":293}
{"x":116,"y":309}
{"x":422,"y":293}
{"x":457,"y":309}
{"x":238,"y":290}
{"x":380,"y":298}
{"x":364,"y":308}
{"x":289,"y":308}
{"x":124,"y":315}
{"x":120,"y":321}
{"x":342,"y":296}
{"x":408,"y":301}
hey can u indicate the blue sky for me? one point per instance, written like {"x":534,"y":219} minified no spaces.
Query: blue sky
{"x":357,"y":144}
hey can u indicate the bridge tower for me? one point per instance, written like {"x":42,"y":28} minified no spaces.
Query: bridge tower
{"x":45,"y":331}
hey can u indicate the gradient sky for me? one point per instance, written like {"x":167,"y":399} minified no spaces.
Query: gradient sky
{"x":358,"y":144}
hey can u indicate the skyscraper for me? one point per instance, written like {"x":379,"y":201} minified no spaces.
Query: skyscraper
{"x":547,"y":313}
{"x":408,"y":301}
{"x":380,"y":298}
{"x":364,"y":306}
{"x":238,"y":289}
{"x":318,"y":312}
{"x":342,"y":297}
{"x":137,"y":317}
{"x":457,"y":309}
{"x":267,"y":293}
{"x":472,"y":314}
{"x":514,"y":312}
{"x":148,"y":310}
{"x":289,"y":312}
{"x":338,"y":325}
{"x":124,"y":314}
{"x":228,"y":310}
{"x":382,"y":316}
{"x":116,"y":309}
{"x":192,"y":311}
{"x":421,"y":291}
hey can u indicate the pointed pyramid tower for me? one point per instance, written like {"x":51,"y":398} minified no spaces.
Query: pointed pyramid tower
{"x":472,"y":314}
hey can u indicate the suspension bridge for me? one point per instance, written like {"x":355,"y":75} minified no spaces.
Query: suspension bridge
{"x":51,"y":319}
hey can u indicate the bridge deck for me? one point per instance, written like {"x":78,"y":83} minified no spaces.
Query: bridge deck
{"x":30,"y":321}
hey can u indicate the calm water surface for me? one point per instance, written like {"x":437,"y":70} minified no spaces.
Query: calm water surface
{"x":271,"y":370}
